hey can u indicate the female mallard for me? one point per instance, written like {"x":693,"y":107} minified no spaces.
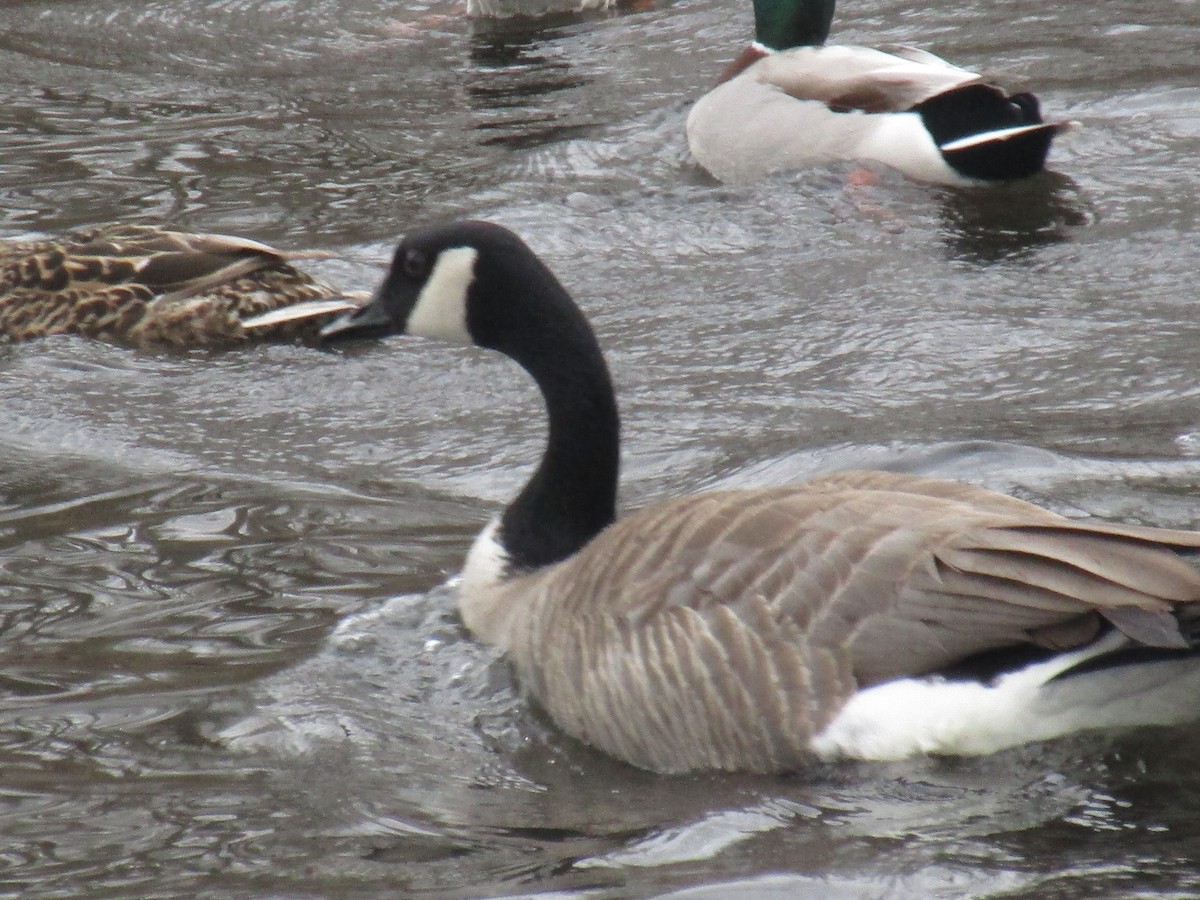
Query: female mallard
{"x":144,"y":285}
{"x":789,"y":103}
{"x":863,"y":614}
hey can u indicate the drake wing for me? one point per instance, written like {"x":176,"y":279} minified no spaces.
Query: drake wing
{"x":860,"y":78}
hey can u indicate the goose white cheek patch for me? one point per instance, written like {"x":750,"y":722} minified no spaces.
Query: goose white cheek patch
{"x":441,"y":308}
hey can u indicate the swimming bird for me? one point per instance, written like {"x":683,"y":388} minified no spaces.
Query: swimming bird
{"x":863,"y":614}
{"x":789,"y":103}
{"x":146,"y":285}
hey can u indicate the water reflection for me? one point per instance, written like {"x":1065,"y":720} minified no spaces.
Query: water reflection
{"x":516,"y":74}
{"x":1012,"y":221}
{"x":521,"y":66}
{"x":500,"y":10}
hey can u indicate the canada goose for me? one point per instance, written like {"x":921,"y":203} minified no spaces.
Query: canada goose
{"x":144,"y":285}
{"x":862,"y":614}
{"x":788,"y":103}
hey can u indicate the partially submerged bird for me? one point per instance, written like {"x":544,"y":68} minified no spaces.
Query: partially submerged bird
{"x":788,"y":103}
{"x":862,"y":614}
{"x":145,"y":285}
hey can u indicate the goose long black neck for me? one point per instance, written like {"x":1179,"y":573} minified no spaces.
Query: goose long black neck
{"x":571,"y":496}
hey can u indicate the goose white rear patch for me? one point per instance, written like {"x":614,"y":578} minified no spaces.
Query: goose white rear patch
{"x":914,"y":716}
{"x":441,"y":308}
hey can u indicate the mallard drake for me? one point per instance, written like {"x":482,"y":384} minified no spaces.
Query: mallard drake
{"x":144,"y":285}
{"x":789,"y":103}
{"x":862,"y":614}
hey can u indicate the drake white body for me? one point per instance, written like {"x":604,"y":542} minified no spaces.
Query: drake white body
{"x":748,"y":128}
{"x":791,"y":103}
{"x":862,"y":614}
{"x":800,"y":108}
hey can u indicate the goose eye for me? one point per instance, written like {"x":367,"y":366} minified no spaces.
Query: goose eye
{"x":415,"y":265}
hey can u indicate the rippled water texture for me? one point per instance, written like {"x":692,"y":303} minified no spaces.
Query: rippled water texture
{"x":227,"y":665}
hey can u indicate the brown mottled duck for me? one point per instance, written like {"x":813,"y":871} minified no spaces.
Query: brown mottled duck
{"x":145,"y":285}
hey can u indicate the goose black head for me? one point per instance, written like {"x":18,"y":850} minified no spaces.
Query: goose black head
{"x":427,"y":289}
{"x":466,"y":282}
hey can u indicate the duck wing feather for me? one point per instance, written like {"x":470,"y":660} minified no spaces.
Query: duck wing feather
{"x":860,"y":78}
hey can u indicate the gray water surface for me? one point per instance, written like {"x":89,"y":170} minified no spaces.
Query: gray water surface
{"x":228,"y":661}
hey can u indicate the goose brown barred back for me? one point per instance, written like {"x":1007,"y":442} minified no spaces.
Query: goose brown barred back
{"x":145,"y":285}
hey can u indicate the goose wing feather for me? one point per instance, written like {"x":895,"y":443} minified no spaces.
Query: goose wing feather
{"x":726,"y":630}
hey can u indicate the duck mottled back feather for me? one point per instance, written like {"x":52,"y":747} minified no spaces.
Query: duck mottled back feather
{"x":146,"y":285}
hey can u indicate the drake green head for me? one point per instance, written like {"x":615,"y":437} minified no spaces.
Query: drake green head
{"x":783,"y":24}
